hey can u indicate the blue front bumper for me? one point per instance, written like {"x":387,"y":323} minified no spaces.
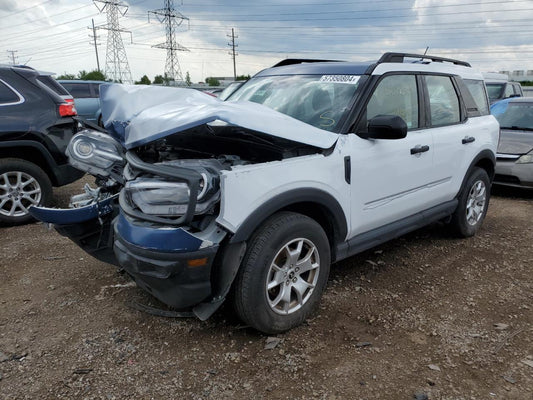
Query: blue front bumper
{"x":169,"y":263}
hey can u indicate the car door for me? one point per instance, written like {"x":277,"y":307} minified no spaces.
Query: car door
{"x":454,"y":135}
{"x":391,"y":179}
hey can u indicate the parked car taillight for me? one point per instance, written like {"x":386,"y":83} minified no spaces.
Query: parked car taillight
{"x":67,"y":109}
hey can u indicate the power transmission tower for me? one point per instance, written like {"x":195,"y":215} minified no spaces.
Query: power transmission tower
{"x":13,"y":58}
{"x":172,"y":20}
{"x":94,"y":37}
{"x":232,"y":52}
{"x":117,"y":67}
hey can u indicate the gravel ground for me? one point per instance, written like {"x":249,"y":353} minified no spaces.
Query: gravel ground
{"x":426,"y":316}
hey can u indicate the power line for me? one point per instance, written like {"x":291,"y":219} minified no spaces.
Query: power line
{"x":25,"y":9}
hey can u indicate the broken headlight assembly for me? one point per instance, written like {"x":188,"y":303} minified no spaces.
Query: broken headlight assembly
{"x":96,"y":153}
{"x":168,"y":197}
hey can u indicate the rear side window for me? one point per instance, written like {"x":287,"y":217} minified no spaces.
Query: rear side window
{"x":477,"y":90}
{"x":7,"y":95}
{"x":78,"y":90}
{"x":52,"y":84}
{"x":443,"y":101}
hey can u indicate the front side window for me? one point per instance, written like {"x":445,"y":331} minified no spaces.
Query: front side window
{"x":8,"y":96}
{"x":318,"y":100}
{"x":443,"y":101}
{"x":395,"y":95}
{"x":477,"y":90}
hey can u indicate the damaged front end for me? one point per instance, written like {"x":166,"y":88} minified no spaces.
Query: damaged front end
{"x":154,"y":213}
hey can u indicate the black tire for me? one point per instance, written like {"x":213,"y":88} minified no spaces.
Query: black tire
{"x":280,"y":233}
{"x":11,"y":191}
{"x":469,"y":215}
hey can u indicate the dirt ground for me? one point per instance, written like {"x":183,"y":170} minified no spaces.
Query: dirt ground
{"x":426,"y":316}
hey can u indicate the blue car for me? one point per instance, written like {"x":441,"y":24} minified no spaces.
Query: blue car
{"x":86,"y":98}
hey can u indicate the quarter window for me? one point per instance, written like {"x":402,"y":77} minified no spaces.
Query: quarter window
{"x":443,"y":101}
{"x":477,"y":90}
{"x":7,"y":96}
{"x":395,"y":95}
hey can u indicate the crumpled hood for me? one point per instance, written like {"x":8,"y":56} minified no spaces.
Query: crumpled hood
{"x":137,"y":115}
{"x":515,"y":142}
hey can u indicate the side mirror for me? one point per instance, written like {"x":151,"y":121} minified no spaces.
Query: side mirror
{"x":387,"y":127}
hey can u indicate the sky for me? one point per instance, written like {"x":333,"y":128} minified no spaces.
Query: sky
{"x":53,"y":35}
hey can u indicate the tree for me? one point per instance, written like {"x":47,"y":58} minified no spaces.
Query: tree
{"x":159,"y":80}
{"x":188,"y":79}
{"x":212,"y":81}
{"x":243,"y":77}
{"x":67,"y":77}
{"x":94,"y":75}
{"x":144,"y":81}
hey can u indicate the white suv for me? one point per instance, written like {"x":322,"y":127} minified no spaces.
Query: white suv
{"x":304,"y":165}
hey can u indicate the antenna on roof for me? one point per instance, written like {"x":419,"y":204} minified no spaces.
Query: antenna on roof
{"x":425,"y":52}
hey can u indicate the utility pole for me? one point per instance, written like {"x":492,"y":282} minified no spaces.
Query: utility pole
{"x":13,"y":56}
{"x":172,"y":20}
{"x":117,"y":67}
{"x":232,"y":52}
{"x":95,"y":38}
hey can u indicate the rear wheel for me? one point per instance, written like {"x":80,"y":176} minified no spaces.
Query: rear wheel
{"x":22,"y":184}
{"x":284,"y":273}
{"x":473,"y":204}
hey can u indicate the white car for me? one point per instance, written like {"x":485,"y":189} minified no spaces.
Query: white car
{"x":307,"y":164}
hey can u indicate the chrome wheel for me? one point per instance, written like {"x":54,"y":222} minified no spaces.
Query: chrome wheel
{"x":292,"y":276}
{"x":18,"y":191}
{"x":475,"y":204}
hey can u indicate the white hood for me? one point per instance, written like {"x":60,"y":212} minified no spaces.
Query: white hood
{"x":140,"y":114}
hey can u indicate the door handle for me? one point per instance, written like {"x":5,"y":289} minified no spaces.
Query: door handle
{"x":468,"y":139}
{"x":419,"y":149}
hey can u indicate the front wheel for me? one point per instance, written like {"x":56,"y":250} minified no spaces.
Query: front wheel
{"x":473,"y":204}
{"x":284,"y":273}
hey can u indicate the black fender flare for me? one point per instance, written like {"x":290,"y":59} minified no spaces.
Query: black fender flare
{"x":33,"y":144}
{"x":483,"y":155}
{"x":292,"y":197}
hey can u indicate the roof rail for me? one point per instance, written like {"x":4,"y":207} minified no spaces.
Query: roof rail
{"x":399,"y":58}
{"x":292,"y":61}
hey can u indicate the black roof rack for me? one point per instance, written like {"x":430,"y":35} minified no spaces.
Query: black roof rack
{"x":399,"y":58}
{"x":292,"y":61}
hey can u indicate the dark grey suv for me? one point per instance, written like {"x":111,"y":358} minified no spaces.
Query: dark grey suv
{"x":36,"y":125}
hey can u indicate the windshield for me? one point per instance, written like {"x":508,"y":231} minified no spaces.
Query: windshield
{"x":495,"y":90}
{"x":517,"y":116}
{"x":319,"y":100}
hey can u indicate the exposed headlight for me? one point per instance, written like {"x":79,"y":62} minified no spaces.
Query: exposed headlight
{"x":94,"y":152}
{"x":525,"y":159}
{"x":166,"y":198}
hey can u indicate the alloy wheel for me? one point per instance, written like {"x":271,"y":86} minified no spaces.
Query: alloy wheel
{"x":292,"y":276}
{"x":18,"y":191}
